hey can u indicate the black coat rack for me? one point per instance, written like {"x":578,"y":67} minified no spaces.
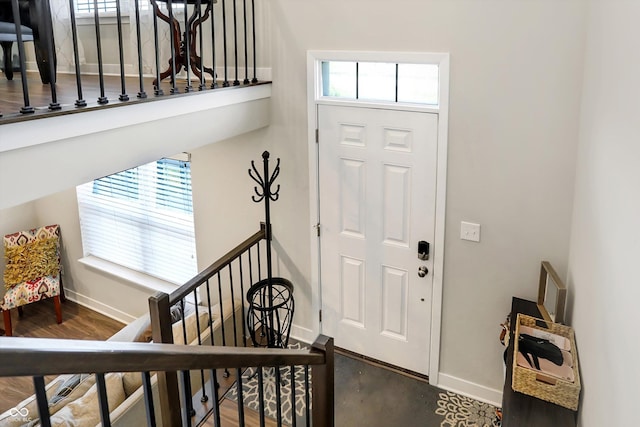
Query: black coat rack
{"x":265,"y":193}
{"x":271,"y":303}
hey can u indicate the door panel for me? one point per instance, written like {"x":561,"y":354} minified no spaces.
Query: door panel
{"x":377,"y":200}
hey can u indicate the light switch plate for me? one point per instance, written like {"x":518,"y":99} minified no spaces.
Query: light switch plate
{"x":470,"y":231}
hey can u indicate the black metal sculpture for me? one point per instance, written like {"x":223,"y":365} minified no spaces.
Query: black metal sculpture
{"x":271,"y":303}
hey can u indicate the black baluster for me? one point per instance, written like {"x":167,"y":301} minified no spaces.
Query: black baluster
{"x":253,"y":17}
{"x":141,"y":93}
{"x":278,"y":397}
{"x":157,"y":90}
{"x":148,"y":399}
{"x":210,"y":313}
{"x":259,"y":264}
{"x":123,"y":93}
{"x":216,"y":402}
{"x":240,"y":397}
{"x":80,"y":102}
{"x":200,"y":66}
{"x":185,"y":377}
{"x":204,"y":397}
{"x":96,"y":19}
{"x":233,"y":308}
{"x":224,"y":340}
{"x":172,"y":31}
{"x":294,"y":421}
{"x":102,"y":400}
{"x":26,"y":108}
{"x":214,"y":84}
{"x":307,"y":396}
{"x":246,"y":53}
{"x":250,"y":269}
{"x":48,"y":29}
{"x":187,"y":47}
{"x":225,"y":83}
{"x":244,"y":328}
{"x":261,"y":395}
{"x":187,"y":403}
{"x":214,"y":374}
{"x":41,"y":399}
{"x":235,"y":43}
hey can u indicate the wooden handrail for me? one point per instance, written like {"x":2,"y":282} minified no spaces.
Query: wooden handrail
{"x":159,"y":310}
{"x":27,"y":357}
{"x":215,"y":268}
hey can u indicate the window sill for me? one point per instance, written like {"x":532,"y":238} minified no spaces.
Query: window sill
{"x":139,"y":279}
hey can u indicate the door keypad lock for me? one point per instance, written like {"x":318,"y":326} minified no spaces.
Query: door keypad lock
{"x":422,"y":271}
{"x":423,"y":250}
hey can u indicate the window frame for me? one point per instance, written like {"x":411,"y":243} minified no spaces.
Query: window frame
{"x":144,"y":214}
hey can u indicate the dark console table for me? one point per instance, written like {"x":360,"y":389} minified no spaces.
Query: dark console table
{"x":520,"y":410}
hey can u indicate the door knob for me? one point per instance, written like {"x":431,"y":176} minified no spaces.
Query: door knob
{"x":422,"y":271}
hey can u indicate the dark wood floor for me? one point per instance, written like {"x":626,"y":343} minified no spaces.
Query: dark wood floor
{"x":39,"y":321}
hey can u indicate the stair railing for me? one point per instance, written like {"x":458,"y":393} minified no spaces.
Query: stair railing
{"x":37,"y":357}
{"x":221,"y":284}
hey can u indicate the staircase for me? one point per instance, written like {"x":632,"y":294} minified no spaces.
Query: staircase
{"x":170,"y":372}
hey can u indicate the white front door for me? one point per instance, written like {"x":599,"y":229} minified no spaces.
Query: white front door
{"x":377,"y":192}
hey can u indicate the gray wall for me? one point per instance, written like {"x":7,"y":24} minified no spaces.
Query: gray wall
{"x":516,"y":72}
{"x":605,"y":243}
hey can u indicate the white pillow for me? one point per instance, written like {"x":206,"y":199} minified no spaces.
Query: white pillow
{"x":85,"y":411}
{"x":191,"y":326}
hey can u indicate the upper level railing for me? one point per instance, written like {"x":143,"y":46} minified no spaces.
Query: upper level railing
{"x":94,"y":53}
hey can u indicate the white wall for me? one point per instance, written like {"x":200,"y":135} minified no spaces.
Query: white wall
{"x":605,"y":244}
{"x":223,"y":210}
{"x":516,"y":71}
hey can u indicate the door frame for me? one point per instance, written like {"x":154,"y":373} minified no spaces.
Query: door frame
{"x":314,"y":98}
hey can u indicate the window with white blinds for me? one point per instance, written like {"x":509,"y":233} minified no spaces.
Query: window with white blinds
{"x":87,"y":6}
{"x":142,"y":219}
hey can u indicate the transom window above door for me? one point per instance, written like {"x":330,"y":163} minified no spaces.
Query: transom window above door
{"x":381,"y":81}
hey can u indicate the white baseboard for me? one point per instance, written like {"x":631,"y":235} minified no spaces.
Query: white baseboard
{"x":101,"y":308}
{"x":469,"y":389}
{"x":302,"y":334}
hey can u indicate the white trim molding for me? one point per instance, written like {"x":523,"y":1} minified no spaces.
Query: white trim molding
{"x":303,"y":334}
{"x":314,"y":98}
{"x":469,"y":389}
{"x":101,"y":308}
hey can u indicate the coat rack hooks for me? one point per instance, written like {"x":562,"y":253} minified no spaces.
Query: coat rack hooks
{"x":263,"y":191}
{"x":265,"y":186}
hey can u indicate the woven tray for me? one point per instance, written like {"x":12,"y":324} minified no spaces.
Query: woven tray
{"x":533,"y":383}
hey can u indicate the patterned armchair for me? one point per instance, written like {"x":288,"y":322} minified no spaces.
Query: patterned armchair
{"x":32,"y":272}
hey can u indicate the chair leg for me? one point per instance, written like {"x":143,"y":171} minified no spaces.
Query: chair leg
{"x":56,"y":303}
{"x":8,"y":61}
{"x":20,"y":312}
{"x":7,"y":322}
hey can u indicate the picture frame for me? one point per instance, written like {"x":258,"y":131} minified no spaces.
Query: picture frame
{"x":552,"y":294}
